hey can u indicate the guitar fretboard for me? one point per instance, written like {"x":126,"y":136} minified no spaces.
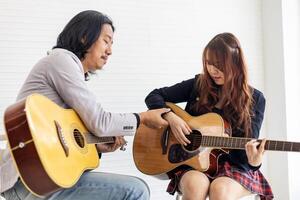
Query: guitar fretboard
{"x":92,"y":139}
{"x":239,"y":143}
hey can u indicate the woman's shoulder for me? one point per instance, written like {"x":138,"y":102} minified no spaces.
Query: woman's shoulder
{"x":258,"y":97}
{"x":197,"y":76}
{"x":257,"y":93}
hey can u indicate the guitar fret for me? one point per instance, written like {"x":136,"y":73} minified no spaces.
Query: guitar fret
{"x":214,"y":141}
{"x":242,"y":143}
{"x":296,"y":147}
{"x":207,"y":141}
{"x":235,"y":140}
{"x":286,"y":146}
{"x":228,"y":142}
{"x":222,"y":142}
{"x":238,"y":142}
{"x":270,"y":147}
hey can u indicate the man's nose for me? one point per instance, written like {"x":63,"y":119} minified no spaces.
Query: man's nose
{"x":109,"y":50}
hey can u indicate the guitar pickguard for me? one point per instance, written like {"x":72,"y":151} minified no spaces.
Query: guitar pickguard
{"x":177,"y":154}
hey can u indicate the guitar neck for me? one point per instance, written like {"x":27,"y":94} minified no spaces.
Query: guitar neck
{"x":239,"y":143}
{"x":92,"y":139}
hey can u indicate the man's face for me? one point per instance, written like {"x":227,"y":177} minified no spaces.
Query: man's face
{"x":97,"y":55}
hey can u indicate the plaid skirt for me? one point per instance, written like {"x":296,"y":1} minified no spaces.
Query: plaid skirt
{"x":253,"y":181}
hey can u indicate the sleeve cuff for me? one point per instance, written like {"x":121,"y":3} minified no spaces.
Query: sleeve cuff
{"x":254,"y":168}
{"x":138,"y":120}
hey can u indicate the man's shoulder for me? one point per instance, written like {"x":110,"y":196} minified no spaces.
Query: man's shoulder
{"x":62,"y":60}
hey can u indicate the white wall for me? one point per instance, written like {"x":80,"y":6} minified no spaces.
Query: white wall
{"x":291,"y":46}
{"x":157,"y":43}
{"x":275,"y":94}
{"x":281,"y":29}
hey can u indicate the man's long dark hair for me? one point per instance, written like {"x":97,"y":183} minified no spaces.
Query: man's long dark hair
{"x":82,"y":31}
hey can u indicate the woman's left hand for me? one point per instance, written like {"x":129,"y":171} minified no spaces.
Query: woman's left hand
{"x":254,"y":154}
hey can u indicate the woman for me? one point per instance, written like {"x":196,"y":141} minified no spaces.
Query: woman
{"x":222,"y":88}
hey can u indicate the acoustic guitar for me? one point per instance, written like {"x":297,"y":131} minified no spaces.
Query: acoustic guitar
{"x":156,"y":151}
{"x":50,"y":145}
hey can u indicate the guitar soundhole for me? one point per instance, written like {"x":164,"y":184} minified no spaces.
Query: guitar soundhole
{"x":195,"y":138}
{"x":78,"y":138}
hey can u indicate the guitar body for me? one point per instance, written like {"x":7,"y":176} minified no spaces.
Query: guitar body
{"x":48,"y":144}
{"x":156,"y":151}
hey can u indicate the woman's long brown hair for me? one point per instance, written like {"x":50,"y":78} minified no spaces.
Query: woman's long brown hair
{"x":235,"y":96}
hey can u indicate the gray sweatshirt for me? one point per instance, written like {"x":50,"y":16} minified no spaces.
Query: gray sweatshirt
{"x":60,"y":77}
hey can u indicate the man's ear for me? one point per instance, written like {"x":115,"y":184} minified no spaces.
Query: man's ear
{"x":83,"y":40}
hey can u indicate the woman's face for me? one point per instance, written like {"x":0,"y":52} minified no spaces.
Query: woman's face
{"x":97,"y":55}
{"x":216,"y":74}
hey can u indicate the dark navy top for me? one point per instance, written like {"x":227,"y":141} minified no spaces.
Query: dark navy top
{"x":186,"y":91}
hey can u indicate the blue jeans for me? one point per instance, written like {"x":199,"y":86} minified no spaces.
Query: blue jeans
{"x":91,"y":185}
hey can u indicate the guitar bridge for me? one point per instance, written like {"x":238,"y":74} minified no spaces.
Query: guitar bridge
{"x":61,"y":138}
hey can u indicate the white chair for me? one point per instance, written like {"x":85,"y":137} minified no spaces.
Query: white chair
{"x":250,"y":197}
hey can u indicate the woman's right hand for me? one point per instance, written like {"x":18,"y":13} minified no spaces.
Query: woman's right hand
{"x":178,"y":127}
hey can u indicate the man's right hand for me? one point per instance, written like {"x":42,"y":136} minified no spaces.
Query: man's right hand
{"x":153,"y":118}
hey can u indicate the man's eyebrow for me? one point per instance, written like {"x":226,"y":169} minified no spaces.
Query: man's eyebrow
{"x":108,"y":36}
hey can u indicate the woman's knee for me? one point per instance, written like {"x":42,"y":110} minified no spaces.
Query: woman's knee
{"x":217,"y":190}
{"x":226,"y":188}
{"x":194,"y":184}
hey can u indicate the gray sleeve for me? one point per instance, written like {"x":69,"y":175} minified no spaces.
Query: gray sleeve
{"x":66,"y":77}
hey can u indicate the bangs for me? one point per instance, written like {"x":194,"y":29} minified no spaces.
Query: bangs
{"x":215,"y":57}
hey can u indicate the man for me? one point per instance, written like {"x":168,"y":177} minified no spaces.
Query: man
{"x":82,"y":48}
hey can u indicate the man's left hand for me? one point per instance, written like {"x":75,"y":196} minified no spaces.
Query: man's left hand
{"x":105,"y":148}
